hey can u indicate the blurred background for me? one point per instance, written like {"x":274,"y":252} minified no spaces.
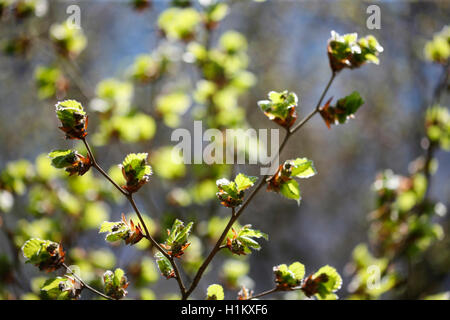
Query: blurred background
{"x":285,"y":50}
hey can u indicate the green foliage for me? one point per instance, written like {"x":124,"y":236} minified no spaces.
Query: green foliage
{"x":231,"y":193}
{"x":215,"y":292}
{"x":280,"y":108}
{"x":243,"y":240}
{"x":330,"y":282}
{"x":113,"y":96}
{"x":437,"y":124}
{"x":122,"y":230}
{"x":178,"y":23}
{"x":71,"y":160}
{"x":6,"y":201}
{"x":69,"y":41}
{"x":234,"y":271}
{"x":164,"y":266}
{"x":45,"y":254}
{"x":363,"y":265}
{"x":61,"y":288}
{"x":171,"y":106}
{"x":177,"y":240}
{"x":147,"y":68}
{"x":168,"y":163}
{"x":214,"y":13}
{"x":16,"y":175}
{"x":287,"y":277}
{"x":347,"y":51}
{"x":345,"y":109}
{"x":323,"y":284}
{"x":131,"y":128}
{"x":282,"y":181}
{"x":73,"y":119}
{"x":438,"y":49}
{"x":136,"y":171}
{"x":115,"y":283}
{"x":140,"y":4}
{"x":25,"y":8}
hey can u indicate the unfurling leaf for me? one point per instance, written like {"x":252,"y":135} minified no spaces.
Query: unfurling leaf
{"x":62,"y":288}
{"x":215,"y":292}
{"x":45,"y":254}
{"x":280,"y":108}
{"x":243,"y":241}
{"x":347,"y":51}
{"x":323,"y":283}
{"x":136,"y":171}
{"x":164,"y":265}
{"x":115,"y":283}
{"x":290,"y":277}
{"x":177,"y":240}
{"x":122,"y":230}
{"x":345,"y":109}
{"x":73,"y":119}
{"x":231,"y":193}
{"x":74,"y":162}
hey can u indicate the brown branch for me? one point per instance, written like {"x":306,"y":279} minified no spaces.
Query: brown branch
{"x":237,"y":214}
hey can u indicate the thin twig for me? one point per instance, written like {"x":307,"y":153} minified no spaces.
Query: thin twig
{"x":317,"y":108}
{"x":84,"y":284}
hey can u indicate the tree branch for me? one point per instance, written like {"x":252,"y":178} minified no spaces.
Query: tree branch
{"x":236,"y":215}
{"x":84,"y":284}
{"x":130,"y":198}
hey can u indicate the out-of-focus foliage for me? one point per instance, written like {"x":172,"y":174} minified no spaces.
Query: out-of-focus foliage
{"x":438,"y":49}
{"x":66,"y":209}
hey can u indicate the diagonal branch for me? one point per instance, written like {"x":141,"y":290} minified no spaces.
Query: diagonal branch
{"x":237,"y":214}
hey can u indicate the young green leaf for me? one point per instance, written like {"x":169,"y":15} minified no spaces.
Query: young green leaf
{"x":244,"y":182}
{"x":242,"y":241}
{"x":62,"y":288}
{"x":177,"y":241}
